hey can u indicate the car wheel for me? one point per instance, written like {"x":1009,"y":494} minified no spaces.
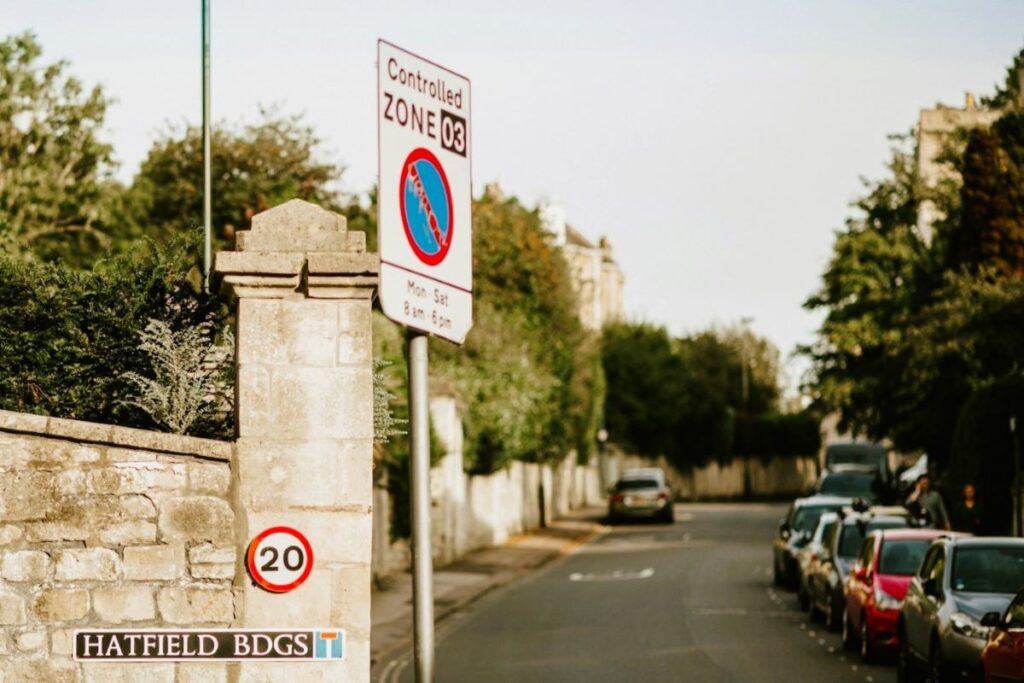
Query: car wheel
{"x":906,"y":669}
{"x":848,"y":638}
{"x":803,"y":599}
{"x":669,"y":515}
{"x":936,"y":665}
{"x":867,"y":653}
{"x":776,"y":574}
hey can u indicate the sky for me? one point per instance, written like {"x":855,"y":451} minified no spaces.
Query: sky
{"x":717,"y":144}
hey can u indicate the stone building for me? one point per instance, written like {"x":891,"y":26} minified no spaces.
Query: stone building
{"x":936,"y":128}
{"x":596,"y":276}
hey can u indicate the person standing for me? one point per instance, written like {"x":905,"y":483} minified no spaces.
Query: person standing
{"x":929,"y":502}
{"x":967,"y":513}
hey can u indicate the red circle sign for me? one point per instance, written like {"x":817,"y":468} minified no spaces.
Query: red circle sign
{"x":279,"y":559}
{"x":425,"y":203}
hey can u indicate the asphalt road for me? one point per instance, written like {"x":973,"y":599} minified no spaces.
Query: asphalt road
{"x":690,"y":602}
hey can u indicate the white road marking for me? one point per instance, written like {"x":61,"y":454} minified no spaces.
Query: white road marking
{"x":617,"y":575}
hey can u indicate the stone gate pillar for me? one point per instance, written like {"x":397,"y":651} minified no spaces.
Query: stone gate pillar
{"x":304,"y":406}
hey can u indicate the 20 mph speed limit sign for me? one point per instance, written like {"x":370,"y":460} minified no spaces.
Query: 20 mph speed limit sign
{"x":425,"y":194}
{"x":279,"y":559}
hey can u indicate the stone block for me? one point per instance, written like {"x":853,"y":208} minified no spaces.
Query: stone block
{"x":126,"y":533}
{"x":36,"y":670}
{"x":211,"y":672}
{"x":12,"y":608}
{"x":127,"y":455}
{"x":196,"y":518}
{"x":79,"y":430}
{"x":116,"y":605}
{"x":62,"y":604}
{"x":294,"y":332}
{"x":62,"y":642}
{"x":154,"y":562}
{"x":30,"y":641}
{"x":113,"y":672}
{"x":27,"y":495}
{"x":194,"y":605}
{"x":88,"y":564}
{"x":350,"y":594}
{"x":24,"y":565}
{"x":48,"y":532}
{"x":306,"y":605}
{"x":212,"y":562}
{"x":70,"y":483}
{"x":137,"y":507}
{"x":274,"y":475}
{"x":214,"y":478}
{"x":22,"y":422}
{"x":137,"y":478}
{"x":9,"y":534}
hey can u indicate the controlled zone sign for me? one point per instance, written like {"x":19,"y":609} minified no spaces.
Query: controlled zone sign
{"x":279,"y":559}
{"x":424,"y":197}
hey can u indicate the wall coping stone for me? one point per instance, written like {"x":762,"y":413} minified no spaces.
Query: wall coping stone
{"x":114,"y":435}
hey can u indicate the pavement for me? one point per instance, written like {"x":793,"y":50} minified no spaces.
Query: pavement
{"x":458,"y":585}
{"x":645,"y":602}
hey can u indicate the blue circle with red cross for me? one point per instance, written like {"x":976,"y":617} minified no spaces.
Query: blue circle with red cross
{"x":425,"y":200}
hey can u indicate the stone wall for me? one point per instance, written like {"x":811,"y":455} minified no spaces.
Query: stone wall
{"x":778,"y":477}
{"x":469,"y":512}
{"x":109,"y":527}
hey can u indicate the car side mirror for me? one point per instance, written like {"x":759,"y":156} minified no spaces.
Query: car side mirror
{"x":991,"y":620}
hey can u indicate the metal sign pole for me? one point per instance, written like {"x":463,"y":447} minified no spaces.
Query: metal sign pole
{"x":207,"y":212}
{"x":423,"y":577}
{"x":1018,"y":522}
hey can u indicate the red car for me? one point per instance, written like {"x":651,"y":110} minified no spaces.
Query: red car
{"x":877,"y":585}
{"x":1003,"y":656}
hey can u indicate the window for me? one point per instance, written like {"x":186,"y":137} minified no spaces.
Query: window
{"x":991,"y":569}
{"x":1015,"y":613}
{"x":867,"y":551}
{"x":634,"y":484}
{"x":902,"y":557}
{"x":929,"y":562}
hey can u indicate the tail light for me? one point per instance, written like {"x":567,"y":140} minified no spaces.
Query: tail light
{"x":663,"y":496}
{"x":618,"y":498}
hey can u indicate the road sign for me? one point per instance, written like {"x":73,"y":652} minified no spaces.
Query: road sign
{"x":279,"y":559}
{"x":425,"y":195}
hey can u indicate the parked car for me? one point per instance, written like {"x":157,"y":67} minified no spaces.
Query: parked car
{"x":839,"y":550}
{"x":1003,"y":656}
{"x":852,"y":481}
{"x":878,"y":581}
{"x":795,"y":531}
{"x":809,"y":556}
{"x":959,"y":582}
{"x":639,"y":493}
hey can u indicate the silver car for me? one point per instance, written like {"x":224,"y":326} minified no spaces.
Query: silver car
{"x":641,"y":493}
{"x":959,"y":582}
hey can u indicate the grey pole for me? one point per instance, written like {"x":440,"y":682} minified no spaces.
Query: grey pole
{"x":423,"y":576}
{"x":207,"y":212}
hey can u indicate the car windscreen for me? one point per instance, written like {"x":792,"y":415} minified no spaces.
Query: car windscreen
{"x":806,"y":518}
{"x":988,"y":569}
{"x":634,"y":484}
{"x":848,"y":484}
{"x":902,"y":557}
{"x":851,"y":535}
{"x":855,"y":454}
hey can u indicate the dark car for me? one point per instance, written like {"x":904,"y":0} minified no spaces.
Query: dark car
{"x":840,"y":546}
{"x":1003,"y":656}
{"x":959,"y":582}
{"x":858,"y":453}
{"x":852,"y":481}
{"x":795,"y":530}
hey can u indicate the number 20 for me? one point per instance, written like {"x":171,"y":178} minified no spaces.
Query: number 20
{"x":292,"y":551}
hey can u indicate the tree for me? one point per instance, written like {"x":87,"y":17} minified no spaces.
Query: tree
{"x":1008,"y":92}
{"x":991,"y":226}
{"x":254,"y":167}
{"x":57,"y":197}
